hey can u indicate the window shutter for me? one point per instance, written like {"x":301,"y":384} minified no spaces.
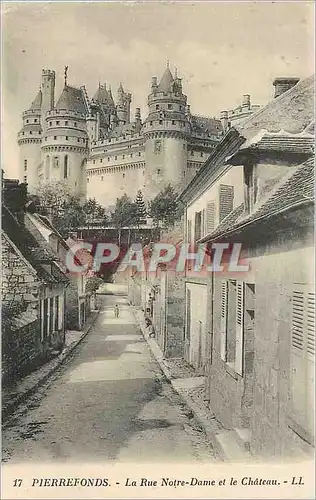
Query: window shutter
{"x":189,"y":235}
{"x":203,"y":223}
{"x":239,"y":360}
{"x":60,"y":312}
{"x":303,"y":359}
{"x":224,"y":301}
{"x":226,"y":200}
{"x":210,"y":217}
{"x":188,"y":314}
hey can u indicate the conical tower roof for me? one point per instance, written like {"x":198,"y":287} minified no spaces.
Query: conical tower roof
{"x":37,"y":103}
{"x":71,"y":99}
{"x":166,"y":80}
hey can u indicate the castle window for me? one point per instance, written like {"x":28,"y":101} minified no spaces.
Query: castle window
{"x":93,"y":162}
{"x":150,"y":123}
{"x":131,"y":155}
{"x":39,"y":132}
{"x":66,"y":137}
{"x":123,"y":156}
{"x":169,"y":106}
{"x":66,"y":122}
{"x":102,"y":178}
{"x":160,"y":122}
{"x":88,"y":179}
{"x":123,"y":175}
{"x":57,"y":123}
{"x":50,"y":124}
{"x":75,"y":124}
{"x":78,"y":140}
{"x":201,"y":155}
{"x":101,"y":160}
{"x":27,"y":121}
{"x":108,"y":158}
{"x":55,"y":137}
{"x":158,"y":171}
{"x":35,"y":120}
{"x":55,"y":161}
{"x":139,"y":153}
{"x":157,"y":106}
{"x":65,"y":166}
{"x":115,"y":157}
{"x":173,"y":122}
{"x":31,"y":132}
{"x":192,"y":153}
{"x":25,"y":179}
{"x":25,"y":165}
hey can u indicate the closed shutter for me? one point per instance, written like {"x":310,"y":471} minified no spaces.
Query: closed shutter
{"x":239,"y":359}
{"x":188,"y":318}
{"x":189,"y":235}
{"x":61,"y":313}
{"x":210,"y":217}
{"x":226,"y":200}
{"x":224,"y":303}
{"x":203,"y":222}
{"x":303,"y":359}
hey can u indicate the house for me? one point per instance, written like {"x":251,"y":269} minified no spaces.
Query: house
{"x":252,"y":334}
{"x":77,"y":297}
{"x":33,"y":292}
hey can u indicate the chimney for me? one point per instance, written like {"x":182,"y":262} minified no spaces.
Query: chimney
{"x":154,"y":84}
{"x":282,"y":84}
{"x":246,"y":100}
{"x":224,"y":120}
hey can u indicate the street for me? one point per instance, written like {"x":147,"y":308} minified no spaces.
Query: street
{"x":108,"y":401}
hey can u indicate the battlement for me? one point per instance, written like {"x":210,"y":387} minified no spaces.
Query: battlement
{"x":64,"y":112}
{"x":31,"y":112}
{"x":172,"y":96}
{"x":48,"y":72}
{"x":116,"y":140}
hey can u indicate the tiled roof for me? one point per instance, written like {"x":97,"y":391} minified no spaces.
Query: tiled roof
{"x":71,"y":99}
{"x":296,"y":190}
{"x":206,"y":124}
{"x":292,"y":111}
{"x":37,"y":103}
{"x":166,"y":81}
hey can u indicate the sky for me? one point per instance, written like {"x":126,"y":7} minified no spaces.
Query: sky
{"x":221,"y":50}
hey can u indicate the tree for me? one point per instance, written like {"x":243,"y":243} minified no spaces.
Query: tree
{"x":124,"y":215}
{"x":164,"y":208}
{"x":141,"y":208}
{"x":94,"y":212}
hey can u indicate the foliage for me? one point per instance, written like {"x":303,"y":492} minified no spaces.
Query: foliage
{"x":65,"y":210}
{"x":164,"y":208}
{"x":93,"y":284}
{"x":125,"y":212}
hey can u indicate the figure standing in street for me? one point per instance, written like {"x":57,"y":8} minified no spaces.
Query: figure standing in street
{"x":116,"y":311}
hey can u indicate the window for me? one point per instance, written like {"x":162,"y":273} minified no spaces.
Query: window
{"x":189,"y":231}
{"x":123,"y":156}
{"x":78,"y":140}
{"x":66,"y":122}
{"x":31,"y":132}
{"x":157,"y":106}
{"x":65,"y":166}
{"x":101,"y":160}
{"x":25,"y":179}
{"x":35,"y":120}
{"x":198,"y":226}
{"x":210,"y":217}
{"x":57,"y":123}
{"x":27,"y":121}
{"x":50,"y":124}
{"x":25,"y":165}
{"x":226,"y":200}
{"x":160,"y":122}
{"x":150,"y":123}
{"x":56,"y":313}
{"x":131,"y":155}
{"x":250,"y":186}
{"x":169,"y":106}
{"x":66,"y":137}
{"x":232,"y":324}
{"x":201,"y":155}
{"x":192,"y":153}
{"x":158,"y":171}
{"x":115,"y":157}
{"x":139,"y":154}
{"x":123,"y":175}
{"x":93,"y":162}
{"x":101,"y":177}
{"x":56,"y":161}
{"x":173,"y":122}
{"x":75,"y":124}
{"x":55,"y":137}
{"x":303,"y":362}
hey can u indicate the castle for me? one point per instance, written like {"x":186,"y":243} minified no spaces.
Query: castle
{"x":98,"y":151}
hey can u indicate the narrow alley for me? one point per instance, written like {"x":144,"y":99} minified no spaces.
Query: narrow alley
{"x":108,"y":401}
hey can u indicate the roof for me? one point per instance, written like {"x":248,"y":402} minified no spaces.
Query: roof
{"x":37,"y":103}
{"x":206,"y":124}
{"x":296,"y":190}
{"x":166,"y":81}
{"x":292,"y":111}
{"x":71,"y":99}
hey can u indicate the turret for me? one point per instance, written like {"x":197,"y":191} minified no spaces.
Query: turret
{"x":138,"y":121}
{"x":165,"y":131}
{"x":48,"y":92}
{"x":123,"y":106}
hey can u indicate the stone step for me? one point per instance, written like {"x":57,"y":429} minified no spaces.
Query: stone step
{"x":228,"y":447}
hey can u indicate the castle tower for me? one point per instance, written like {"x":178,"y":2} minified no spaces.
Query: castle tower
{"x":48,"y":93}
{"x":65,"y":144}
{"x":123,"y":106}
{"x":29,"y":141}
{"x":165,"y":132}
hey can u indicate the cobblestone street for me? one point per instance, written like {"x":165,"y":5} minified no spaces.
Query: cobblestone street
{"x":109,"y":400}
